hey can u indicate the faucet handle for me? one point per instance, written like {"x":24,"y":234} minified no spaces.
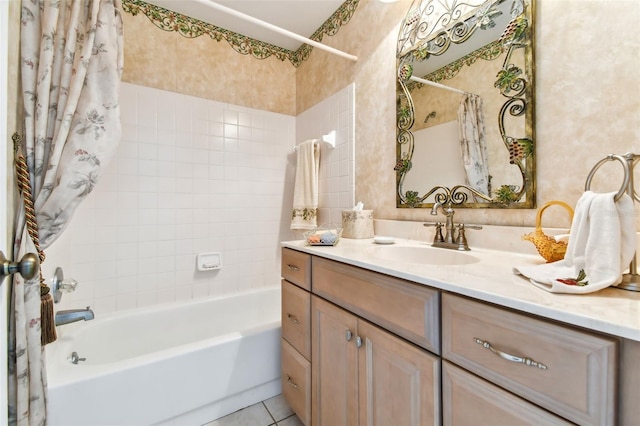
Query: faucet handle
{"x":437,"y":238}
{"x":59,"y":285}
{"x":461,"y":240}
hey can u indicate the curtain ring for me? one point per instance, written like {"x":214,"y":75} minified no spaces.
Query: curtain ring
{"x":625,"y":166}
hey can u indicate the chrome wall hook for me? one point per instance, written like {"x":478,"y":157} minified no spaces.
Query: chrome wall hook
{"x":28,"y":267}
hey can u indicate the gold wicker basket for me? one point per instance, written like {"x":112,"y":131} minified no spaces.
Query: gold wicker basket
{"x":548,"y":247}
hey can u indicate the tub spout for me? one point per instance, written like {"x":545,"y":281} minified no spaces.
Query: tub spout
{"x":73,"y":315}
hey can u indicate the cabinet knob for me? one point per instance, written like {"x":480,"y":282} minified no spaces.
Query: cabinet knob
{"x":349,"y":335}
{"x":358,"y":342}
{"x":291,"y":382}
{"x":293,"y":318}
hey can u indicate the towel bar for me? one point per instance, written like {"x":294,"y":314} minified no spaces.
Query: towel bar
{"x":329,"y":139}
{"x":630,"y":281}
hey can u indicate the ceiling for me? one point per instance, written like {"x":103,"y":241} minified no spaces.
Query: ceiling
{"x":302,"y":17}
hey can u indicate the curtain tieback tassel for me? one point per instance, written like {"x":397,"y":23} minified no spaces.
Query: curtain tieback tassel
{"x":47,"y":317}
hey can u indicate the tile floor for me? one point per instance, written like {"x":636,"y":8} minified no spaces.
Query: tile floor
{"x":271,"y":412}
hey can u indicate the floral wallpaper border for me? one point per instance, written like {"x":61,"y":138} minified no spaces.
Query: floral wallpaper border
{"x":191,"y":28}
{"x":488,"y":52}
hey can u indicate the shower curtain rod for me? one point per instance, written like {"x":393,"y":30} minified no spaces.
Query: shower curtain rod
{"x":441,"y":86}
{"x":275,"y":28}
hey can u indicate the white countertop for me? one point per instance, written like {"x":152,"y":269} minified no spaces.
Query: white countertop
{"x":612,"y":311}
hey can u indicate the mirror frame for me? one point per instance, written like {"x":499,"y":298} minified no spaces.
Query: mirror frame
{"x":516,"y":85}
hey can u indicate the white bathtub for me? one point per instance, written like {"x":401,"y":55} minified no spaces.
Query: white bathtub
{"x":184,"y":364}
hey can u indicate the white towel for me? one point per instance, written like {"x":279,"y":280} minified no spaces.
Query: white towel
{"x":602,"y":242}
{"x":305,"y":192}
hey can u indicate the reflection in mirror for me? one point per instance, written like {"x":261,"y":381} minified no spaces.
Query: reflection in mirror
{"x":465,"y":104}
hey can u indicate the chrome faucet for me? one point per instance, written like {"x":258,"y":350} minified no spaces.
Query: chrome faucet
{"x":73,"y":315}
{"x":450,"y":240}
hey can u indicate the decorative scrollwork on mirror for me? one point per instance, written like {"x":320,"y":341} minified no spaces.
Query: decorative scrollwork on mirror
{"x":465,"y":104}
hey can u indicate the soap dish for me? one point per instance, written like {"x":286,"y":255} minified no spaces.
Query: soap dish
{"x":383,"y":240}
{"x":325,"y":235}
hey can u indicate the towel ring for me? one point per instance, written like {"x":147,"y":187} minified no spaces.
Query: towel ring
{"x":632,"y":159}
{"x":625,"y":166}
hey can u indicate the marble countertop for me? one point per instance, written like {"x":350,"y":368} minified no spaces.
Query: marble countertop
{"x":491,"y":279}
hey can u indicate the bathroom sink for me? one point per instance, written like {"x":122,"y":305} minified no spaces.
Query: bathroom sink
{"x":424,"y":255}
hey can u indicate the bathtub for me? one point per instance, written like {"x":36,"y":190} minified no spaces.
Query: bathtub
{"x":177,"y":364}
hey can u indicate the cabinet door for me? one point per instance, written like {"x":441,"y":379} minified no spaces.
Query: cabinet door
{"x":398,"y":382}
{"x":334,"y":373}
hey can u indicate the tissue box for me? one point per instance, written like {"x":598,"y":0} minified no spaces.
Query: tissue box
{"x":357,"y":224}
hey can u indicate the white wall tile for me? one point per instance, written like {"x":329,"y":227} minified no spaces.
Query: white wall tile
{"x":191,"y":175}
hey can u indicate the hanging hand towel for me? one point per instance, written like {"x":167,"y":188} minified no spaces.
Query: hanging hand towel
{"x":602,"y":243}
{"x":305,"y":195}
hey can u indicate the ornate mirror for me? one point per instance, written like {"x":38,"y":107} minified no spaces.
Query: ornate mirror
{"x":465,"y":104}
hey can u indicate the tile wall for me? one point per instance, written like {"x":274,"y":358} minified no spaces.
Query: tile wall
{"x":337,"y":165}
{"x":191,"y":175}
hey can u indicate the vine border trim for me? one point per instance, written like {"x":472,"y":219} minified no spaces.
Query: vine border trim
{"x":190,"y":28}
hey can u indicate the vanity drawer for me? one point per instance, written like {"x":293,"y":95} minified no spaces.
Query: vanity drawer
{"x":576,"y":376}
{"x":409,"y":310}
{"x":296,"y":382}
{"x":470,"y":400}
{"x":296,"y":268}
{"x":296,"y":317}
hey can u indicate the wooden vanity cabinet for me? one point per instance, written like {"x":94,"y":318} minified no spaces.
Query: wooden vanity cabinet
{"x":364,"y":348}
{"x":364,"y":375}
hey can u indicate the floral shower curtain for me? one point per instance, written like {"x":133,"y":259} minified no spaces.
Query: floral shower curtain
{"x":473,"y":144}
{"x":71,"y":64}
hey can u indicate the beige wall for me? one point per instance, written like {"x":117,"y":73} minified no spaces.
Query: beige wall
{"x":587,"y":94}
{"x":205,"y":68}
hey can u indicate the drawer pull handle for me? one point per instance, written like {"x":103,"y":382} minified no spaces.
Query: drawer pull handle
{"x":293,"y":318}
{"x":291,"y":382}
{"x":509,"y":357}
{"x":293,"y":267}
{"x":348,"y":335}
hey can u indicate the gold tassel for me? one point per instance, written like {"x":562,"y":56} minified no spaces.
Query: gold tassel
{"x":47,"y":317}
